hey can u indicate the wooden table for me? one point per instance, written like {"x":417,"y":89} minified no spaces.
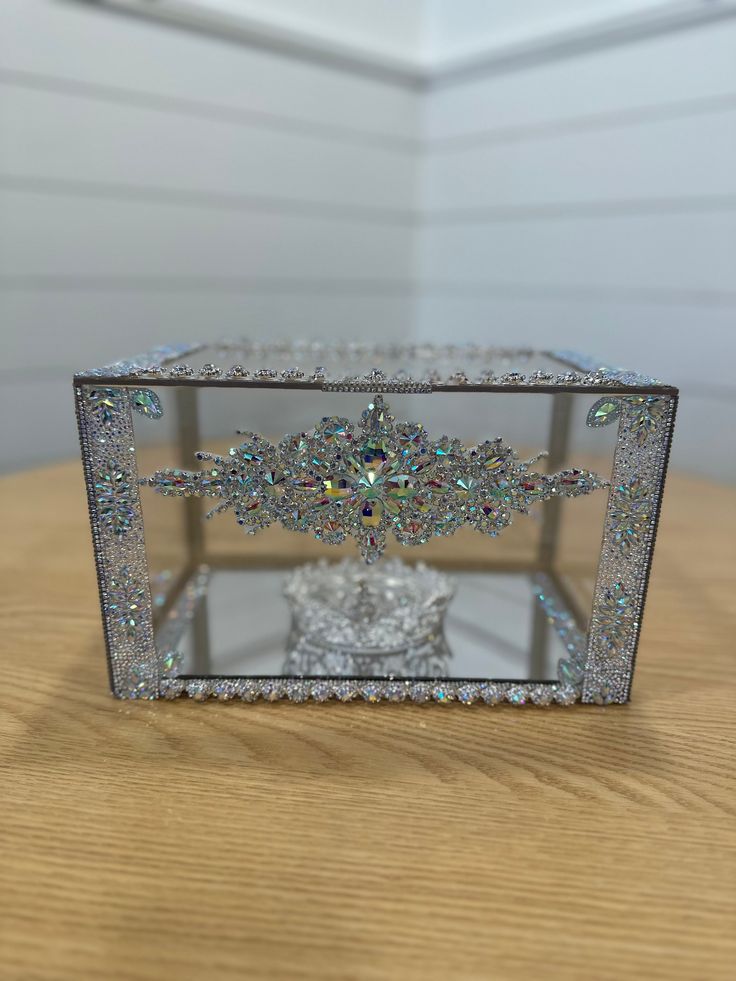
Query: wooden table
{"x":181,"y":841}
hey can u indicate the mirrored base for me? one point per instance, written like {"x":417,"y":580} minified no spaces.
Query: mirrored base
{"x":499,"y":625}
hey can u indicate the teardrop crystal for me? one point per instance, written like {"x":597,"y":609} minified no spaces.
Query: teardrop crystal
{"x":603,"y":412}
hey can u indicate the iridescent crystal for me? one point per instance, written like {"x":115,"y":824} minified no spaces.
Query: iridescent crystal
{"x":420,"y":692}
{"x":570,"y":673}
{"x":396,"y":691}
{"x":371,"y":513}
{"x":331,"y":532}
{"x":272,"y":691}
{"x":297,"y":691}
{"x":307,"y":483}
{"x":237,"y":371}
{"x":436,"y":487}
{"x":321,"y":691}
{"x":410,"y":435}
{"x":603,"y":412}
{"x":105,"y":403}
{"x":566,"y":695}
{"x":334,"y":430}
{"x":467,"y":694}
{"x":176,"y":482}
{"x":387,"y":476}
{"x":630,"y":513}
{"x":420,"y":461}
{"x":170,"y":663}
{"x":543,"y":695}
{"x":275,"y":479}
{"x":296,"y":518}
{"x":146,"y":403}
{"x":604,"y":695}
{"x":615,"y":616}
{"x":113,"y":493}
{"x":491,"y":694}
{"x":374,"y":454}
{"x":447,"y":449}
{"x":339,"y":486}
{"x":375,"y":417}
{"x":247,"y":509}
{"x":649,"y":411}
{"x":198,"y":690}
{"x":494,"y":455}
{"x":141,"y":682}
{"x":401,"y":487}
{"x":181,"y":371}
{"x":443,"y":694}
{"x":575,"y":482}
{"x":171,"y":688}
{"x":248,"y":453}
{"x":345,"y":691}
{"x":488,"y":516}
{"x":225,"y":690}
{"x":126,"y":602}
{"x":294,"y":446}
{"x":534,"y":487}
{"x":410,"y":530}
{"x":467,"y":484}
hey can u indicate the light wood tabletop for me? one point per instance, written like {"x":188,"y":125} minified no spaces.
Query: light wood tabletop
{"x":187,"y":841}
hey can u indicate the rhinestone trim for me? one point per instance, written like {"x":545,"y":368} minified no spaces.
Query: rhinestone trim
{"x":321,"y":690}
{"x":108,"y":454}
{"x":157,"y":363}
{"x":639,"y":470}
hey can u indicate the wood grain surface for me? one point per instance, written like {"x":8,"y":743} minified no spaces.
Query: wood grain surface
{"x":188,"y":841}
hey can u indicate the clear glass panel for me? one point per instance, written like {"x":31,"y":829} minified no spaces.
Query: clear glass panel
{"x":505,"y":608}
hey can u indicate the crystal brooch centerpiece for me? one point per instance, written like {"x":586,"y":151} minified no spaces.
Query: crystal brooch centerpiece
{"x":365,"y":480}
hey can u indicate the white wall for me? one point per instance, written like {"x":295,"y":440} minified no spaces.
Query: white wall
{"x":459,"y":29}
{"x":159,"y":185}
{"x":593,"y":199}
{"x":382,"y":27}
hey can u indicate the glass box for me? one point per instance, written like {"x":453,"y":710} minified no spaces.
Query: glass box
{"x":411,"y":523}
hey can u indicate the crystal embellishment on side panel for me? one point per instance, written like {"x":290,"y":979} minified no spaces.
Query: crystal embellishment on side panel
{"x":369,"y":479}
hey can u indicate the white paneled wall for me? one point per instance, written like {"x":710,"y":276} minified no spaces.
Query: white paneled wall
{"x":160,"y":185}
{"x":593,"y":199}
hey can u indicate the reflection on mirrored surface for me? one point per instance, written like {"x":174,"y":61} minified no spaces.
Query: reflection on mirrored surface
{"x":349,"y":618}
{"x":510,"y":626}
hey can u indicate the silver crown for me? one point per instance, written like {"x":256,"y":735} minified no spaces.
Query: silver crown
{"x":354,"y":620}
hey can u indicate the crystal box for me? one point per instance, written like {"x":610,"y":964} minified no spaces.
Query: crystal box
{"x":397,"y":523}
